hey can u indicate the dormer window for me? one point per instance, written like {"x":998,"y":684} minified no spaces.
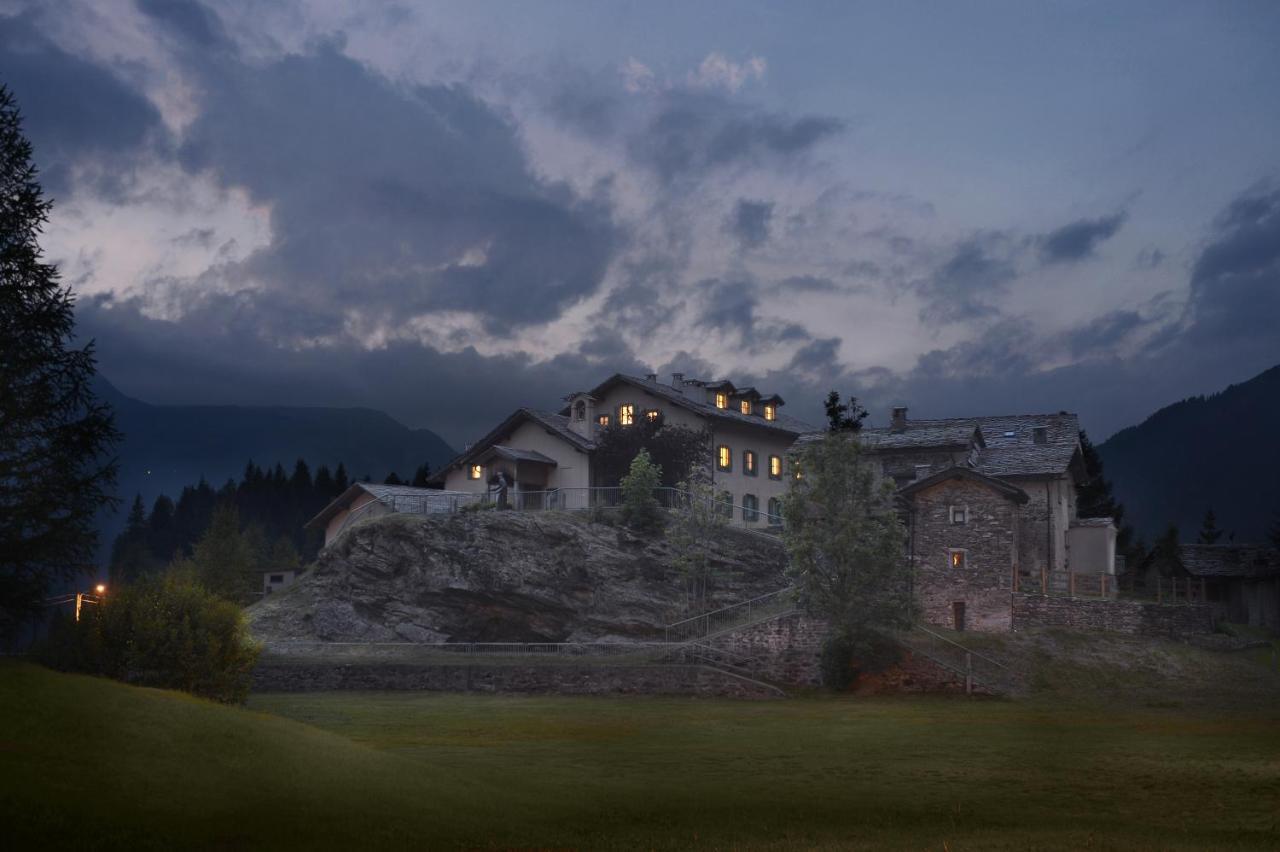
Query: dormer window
{"x":475,"y":471}
{"x":770,"y":411}
{"x":745,"y":406}
{"x":602,"y":420}
{"x":722,"y":400}
{"x":580,"y":410}
{"x":626,"y":414}
{"x":1040,"y":434}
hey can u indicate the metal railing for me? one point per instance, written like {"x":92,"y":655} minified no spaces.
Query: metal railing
{"x":559,"y":499}
{"x":707,"y":624}
{"x":1099,"y":584}
{"x":974,"y":668}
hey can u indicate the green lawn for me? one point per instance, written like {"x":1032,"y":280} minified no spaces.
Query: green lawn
{"x":86,"y":762}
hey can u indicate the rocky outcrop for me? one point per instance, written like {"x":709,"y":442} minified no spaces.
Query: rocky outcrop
{"x":505,"y":577}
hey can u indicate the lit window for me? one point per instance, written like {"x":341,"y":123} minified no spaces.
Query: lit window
{"x":745,"y":406}
{"x":750,"y":508}
{"x":722,"y":400}
{"x":724,"y":457}
{"x":603,"y":420}
{"x":476,"y":471}
{"x":959,"y":515}
{"x":957,"y":559}
{"x":749,"y":462}
{"x":652,"y":415}
{"x":770,"y":412}
{"x":775,"y":468}
{"x":775,"y":510}
{"x":626,"y":414}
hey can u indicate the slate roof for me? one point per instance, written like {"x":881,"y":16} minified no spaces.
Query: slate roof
{"x":513,"y":454}
{"x":380,"y":492}
{"x":784,"y":422}
{"x":1230,"y":560}
{"x":1093,"y":522}
{"x":922,"y":434}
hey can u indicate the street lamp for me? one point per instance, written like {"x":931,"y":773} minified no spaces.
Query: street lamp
{"x":100,"y":589}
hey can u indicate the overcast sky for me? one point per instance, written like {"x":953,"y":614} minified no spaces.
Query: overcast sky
{"x":447,"y":210}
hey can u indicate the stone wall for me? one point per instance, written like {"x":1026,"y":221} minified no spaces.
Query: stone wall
{"x":989,"y":542}
{"x":562,"y":679}
{"x":784,"y":650}
{"x":1136,"y":617}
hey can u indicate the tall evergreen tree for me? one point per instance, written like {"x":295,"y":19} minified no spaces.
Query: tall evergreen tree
{"x":131,"y":554}
{"x":421,"y":476}
{"x":1209,"y":532}
{"x":340,"y":481}
{"x":223,"y":558}
{"x":56,"y":473}
{"x":393,"y":479}
{"x":844,"y":416}
{"x":1095,"y":500}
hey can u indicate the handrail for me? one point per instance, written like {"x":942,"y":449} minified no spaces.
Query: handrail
{"x":984,"y":658}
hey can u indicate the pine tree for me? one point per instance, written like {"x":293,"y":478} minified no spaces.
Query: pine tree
{"x":131,"y":552}
{"x":55,"y":436}
{"x":340,"y":481}
{"x":844,"y":416}
{"x":1209,"y":532}
{"x":1095,"y":500}
{"x":393,"y":479}
{"x":161,"y":531}
{"x":422,"y":476}
{"x":1273,"y":534}
{"x":223,"y":558}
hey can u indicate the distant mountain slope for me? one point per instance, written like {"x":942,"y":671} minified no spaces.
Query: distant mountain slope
{"x":1220,"y":451}
{"x":168,"y":446}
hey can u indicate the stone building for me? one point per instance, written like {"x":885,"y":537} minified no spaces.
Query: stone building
{"x":990,"y":504}
{"x":548,"y":454}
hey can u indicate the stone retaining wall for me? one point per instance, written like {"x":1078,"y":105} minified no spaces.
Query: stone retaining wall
{"x":1118,"y":616}
{"x":562,"y":679}
{"x":784,"y":650}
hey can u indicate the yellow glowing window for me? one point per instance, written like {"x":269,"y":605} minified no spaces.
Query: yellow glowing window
{"x":775,"y":467}
{"x":603,"y":420}
{"x":476,"y":471}
{"x":652,"y":415}
{"x":745,"y":406}
{"x":957,"y":559}
{"x":770,"y":412}
{"x":626,"y":414}
{"x":722,"y":400}
{"x":749,"y":463}
{"x":724,"y":458}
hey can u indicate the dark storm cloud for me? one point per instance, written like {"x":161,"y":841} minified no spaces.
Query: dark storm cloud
{"x":749,"y":222}
{"x":1100,"y":336}
{"x":208,"y":360}
{"x":806,"y":284}
{"x":187,"y":19}
{"x":728,"y":305}
{"x":962,"y":289}
{"x":1078,"y":240}
{"x":395,"y":200}
{"x":76,"y":114}
{"x":694,"y":133}
{"x":1235,"y":282}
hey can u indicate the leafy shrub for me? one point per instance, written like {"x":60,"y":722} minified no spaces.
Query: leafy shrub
{"x":166,"y":632}
{"x":640,"y":509}
{"x":836,"y":663}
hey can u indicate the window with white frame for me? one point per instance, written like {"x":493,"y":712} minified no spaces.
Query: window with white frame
{"x":959,"y":514}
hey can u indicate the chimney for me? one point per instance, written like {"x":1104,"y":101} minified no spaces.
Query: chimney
{"x":899,"y":421}
{"x":651,"y":377}
{"x":677,"y":381}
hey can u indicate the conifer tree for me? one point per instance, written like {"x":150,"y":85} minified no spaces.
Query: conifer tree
{"x":421,"y":476}
{"x":130,"y":554}
{"x":56,"y":472}
{"x":1209,"y":532}
{"x":844,"y":416}
{"x":223,"y":557}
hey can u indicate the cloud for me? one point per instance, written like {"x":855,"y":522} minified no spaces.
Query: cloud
{"x":186,"y":19}
{"x":718,"y":71}
{"x":1078,"y":240}
{"x":962,"y":288}
{"x":396,"y":201}
{"x":638,"y":77}
{"x":85,"y":123}
{"x":749,"y":222}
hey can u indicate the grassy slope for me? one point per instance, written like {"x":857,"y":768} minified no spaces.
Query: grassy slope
{"x":142,"y":767}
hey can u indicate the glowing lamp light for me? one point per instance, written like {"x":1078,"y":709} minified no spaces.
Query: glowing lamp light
{"x":100,"y":588}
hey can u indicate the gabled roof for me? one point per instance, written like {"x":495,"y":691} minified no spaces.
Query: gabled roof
{"x":555,"y":424}
{"x":783,"y":423}
{"x":1230,"y":560}
{"x":513,"y":454}
{"x":380,"y":492}
{"x":1001,"y":487}
{"x":920,"y":434}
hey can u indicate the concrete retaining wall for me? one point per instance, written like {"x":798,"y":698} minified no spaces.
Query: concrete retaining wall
{"x":1118,"y":616}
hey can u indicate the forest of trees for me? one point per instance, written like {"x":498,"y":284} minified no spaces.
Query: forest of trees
{"x":256,"y":522}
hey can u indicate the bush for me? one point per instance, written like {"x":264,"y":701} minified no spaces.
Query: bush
{"x":167,"y":632}
{"x":640,"y":509}
{"x":846,"y":657}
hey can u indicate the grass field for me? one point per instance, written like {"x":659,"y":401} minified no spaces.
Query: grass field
{"x":88,"y":763}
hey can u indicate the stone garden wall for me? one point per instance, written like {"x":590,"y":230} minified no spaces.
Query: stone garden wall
{"x":1117,"y":616}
